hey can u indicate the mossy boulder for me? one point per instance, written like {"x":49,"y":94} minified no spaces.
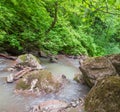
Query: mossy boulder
{"x":115,"y":60}
{"x":40,"y":80}
{"x":96,"y":68}
{"x":28,"y":60}
{"x":104,"y":96}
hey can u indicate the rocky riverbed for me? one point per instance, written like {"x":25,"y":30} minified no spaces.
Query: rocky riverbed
{"x":68,"y":98}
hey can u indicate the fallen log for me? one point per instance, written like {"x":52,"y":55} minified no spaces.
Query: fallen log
{"x":13,"y":77}
{"x":21,"y":73}
{"x":7,"y":56}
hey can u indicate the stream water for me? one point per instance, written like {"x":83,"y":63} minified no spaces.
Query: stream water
{"x":11,"y":102}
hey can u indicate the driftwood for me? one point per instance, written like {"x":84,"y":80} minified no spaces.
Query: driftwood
{"x":7,"y":56}
{"x":21,"y":73}
{"x":22,"y":67}
{"x":11,"y":78}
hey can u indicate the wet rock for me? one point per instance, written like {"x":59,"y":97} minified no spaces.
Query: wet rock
{"x":58,"y":106}
{"x":43,"y":54}
{"x":104,"y":96}
{"x":10,"y":78}
{"x":74,"y":103}
{"x":28,"y":60}
{"x":96,"y":68}
{"x":53,"y":59}
{"x":50,"y":106}
{"x":11,"y":69}
{"x":115,"y":59}
{"x":79,"y":78}
{"x":39,"y":81}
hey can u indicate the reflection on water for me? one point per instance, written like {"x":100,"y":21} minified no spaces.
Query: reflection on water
{"x":10,"y":102}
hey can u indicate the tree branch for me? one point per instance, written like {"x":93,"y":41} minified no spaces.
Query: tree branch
{"x":55,"y":18}
{"x":99,"y":9}
{"x":106,"y":3}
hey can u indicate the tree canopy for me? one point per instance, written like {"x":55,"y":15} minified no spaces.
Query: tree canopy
{"x":90,"y":27}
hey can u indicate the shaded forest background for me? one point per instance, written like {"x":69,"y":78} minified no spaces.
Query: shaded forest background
{"x":90,"y":27}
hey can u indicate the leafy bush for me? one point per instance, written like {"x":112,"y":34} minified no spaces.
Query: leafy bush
{"x":71,"y":27}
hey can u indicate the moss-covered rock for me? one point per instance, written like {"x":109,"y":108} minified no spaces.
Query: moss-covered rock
{"x":45,"y":82}
{"x":104,"y":96}
{"x":96,"y":68}
{"x":28,"y":60}
{"x":22,"y":85}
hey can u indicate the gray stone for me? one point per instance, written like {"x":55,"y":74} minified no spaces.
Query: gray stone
{"x":115,"y":60}
{"x":96,"y":68}
{"x":10,"y":78}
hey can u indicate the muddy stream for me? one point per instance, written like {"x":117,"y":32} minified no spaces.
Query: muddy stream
{"x":11,"y":102}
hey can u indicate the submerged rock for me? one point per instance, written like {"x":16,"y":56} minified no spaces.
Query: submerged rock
{"x":104,"y":96}
{"x":96,"y":68}
{"x":39,"y":81}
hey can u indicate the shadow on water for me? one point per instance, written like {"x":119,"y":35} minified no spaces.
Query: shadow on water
{"x":10,"y":102}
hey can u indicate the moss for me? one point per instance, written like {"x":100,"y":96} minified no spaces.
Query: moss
{"x":104,"y":96}
{"x":46,"y":81}
{"x":23,"y":58}
{"x":22,"y":85}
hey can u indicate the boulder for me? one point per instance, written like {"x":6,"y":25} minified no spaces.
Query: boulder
{"x":96,"y":68}
{"x":28,"y":60}
{"x":38,"y":81}
{"x":115,"y":60}
{"x":104,"y":96}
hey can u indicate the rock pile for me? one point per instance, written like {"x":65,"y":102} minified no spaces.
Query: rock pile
{"x":31,"y":78}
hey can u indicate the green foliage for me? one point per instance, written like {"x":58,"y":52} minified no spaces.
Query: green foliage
{"x":60,"y":26}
